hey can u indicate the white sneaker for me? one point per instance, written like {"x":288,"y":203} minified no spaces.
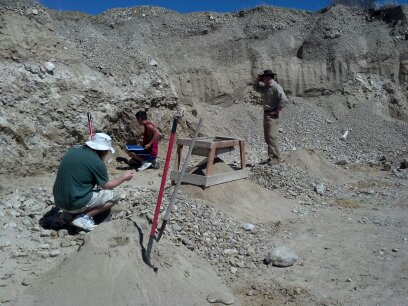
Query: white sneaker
{"x":85,"y":222}
{"x":144,"y":166}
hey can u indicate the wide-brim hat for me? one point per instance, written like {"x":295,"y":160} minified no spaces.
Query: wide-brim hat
{"x":100,"y":142}
{"x":268,"y":72}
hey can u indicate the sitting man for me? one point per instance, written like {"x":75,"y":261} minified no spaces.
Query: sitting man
{"x":147,"y":154}
{"x":82,"y":185}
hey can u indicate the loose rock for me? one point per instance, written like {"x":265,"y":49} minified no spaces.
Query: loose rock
{"x":281,"y":257}
{"x":225,"y":298}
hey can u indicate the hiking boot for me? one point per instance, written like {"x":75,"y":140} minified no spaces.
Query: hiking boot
{"x":120,"y":159}
{"x":85,"y":222}
{"x":156,"y":164}
{"x":144,"y":166}
{"x":65,"y":218}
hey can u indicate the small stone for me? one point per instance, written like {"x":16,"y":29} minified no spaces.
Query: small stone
{"x":348,"y":280}
{"x":387,"y":166}
{"x":242,"y":251}
{"x":49,"y":67}
{"x":26,"y":282}
{"x":250,"y":293}
{"x":45,"y":233}
{"x":187,"y":242}
{"x":17,"y":254}
{"x":191,"y":247}
{"x":240,"y":264}
{"x":45,"y":246}
{"x":176,"y":227}
{"x":298,"y":291}
{"x":27,"y":222}
{"x":320,"y":188}
{"x":153,"y":63}
{"x":62,"y":233}
{"x":54,"y":253}
{"x":404,"y":164}
{"x":230,"y":251}
{"x":233,"y":270}
{"x":43,"y":254}
{"x":248,"y":227}
{"x":65,"y":243}
{"x":36,"y":228}
{"x":250,"y":251}
{"x":341,"y":162}
{"x":225,"y":298}
{"x":281,"y":257}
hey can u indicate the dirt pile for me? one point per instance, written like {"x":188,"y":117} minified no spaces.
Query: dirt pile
{"x":320,"y":168}
{"x":242,"y":199}
{"x":109,"y":270}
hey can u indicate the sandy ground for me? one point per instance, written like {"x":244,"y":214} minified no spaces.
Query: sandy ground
{"x":350,"y":253}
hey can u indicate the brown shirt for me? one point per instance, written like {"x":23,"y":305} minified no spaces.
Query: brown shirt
{"x":273,"y":96}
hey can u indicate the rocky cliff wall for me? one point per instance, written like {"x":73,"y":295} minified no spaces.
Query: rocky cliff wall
{"x":56,"y":66}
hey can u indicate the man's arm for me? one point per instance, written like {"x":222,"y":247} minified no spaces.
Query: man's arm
{"x":283,"y":99}
{"x":127,"y":176}
{"x":256,"y":86}
{"x":156,"y":135}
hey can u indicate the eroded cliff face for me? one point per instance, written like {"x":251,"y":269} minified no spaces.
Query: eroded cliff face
{"x":56,"y":66}
{"x":212,"y":57}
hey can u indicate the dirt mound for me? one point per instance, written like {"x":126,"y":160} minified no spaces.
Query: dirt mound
{"x":242,"y":199}
{"x":109,"y":270}
{"x":318,"y":166}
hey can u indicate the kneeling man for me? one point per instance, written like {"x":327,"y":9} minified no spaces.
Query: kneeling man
{"x":82,"y":185}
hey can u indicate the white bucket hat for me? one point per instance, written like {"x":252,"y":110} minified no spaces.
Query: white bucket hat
{"x":100,"y":142}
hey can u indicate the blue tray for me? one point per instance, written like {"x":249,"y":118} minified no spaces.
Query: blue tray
{"x":134,"y":148}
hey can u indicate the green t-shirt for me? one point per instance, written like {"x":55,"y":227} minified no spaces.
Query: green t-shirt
{"x":80,"y":170}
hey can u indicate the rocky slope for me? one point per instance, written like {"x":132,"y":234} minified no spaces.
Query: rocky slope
{"x":56,"y":66}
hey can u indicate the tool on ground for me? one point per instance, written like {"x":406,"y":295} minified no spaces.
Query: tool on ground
{"x":90,"y":125}
{"x":161,"y":191}
{"x":180,"y":179}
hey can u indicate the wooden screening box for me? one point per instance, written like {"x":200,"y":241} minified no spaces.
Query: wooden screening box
{"x":210,"y":148}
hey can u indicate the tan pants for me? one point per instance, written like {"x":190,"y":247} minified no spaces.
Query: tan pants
{"x":99,"y":198}
{"x":271,"y":127}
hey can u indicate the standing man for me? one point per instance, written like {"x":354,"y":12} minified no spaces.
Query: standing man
{"x":151,"y":137}
{"x":82,"y":185}
{"x":274,"y":99}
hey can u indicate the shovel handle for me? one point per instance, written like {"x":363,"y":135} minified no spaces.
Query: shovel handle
{"x":90,"y":124}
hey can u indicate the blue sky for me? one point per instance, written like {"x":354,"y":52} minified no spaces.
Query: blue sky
{"x":184,"y":6}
